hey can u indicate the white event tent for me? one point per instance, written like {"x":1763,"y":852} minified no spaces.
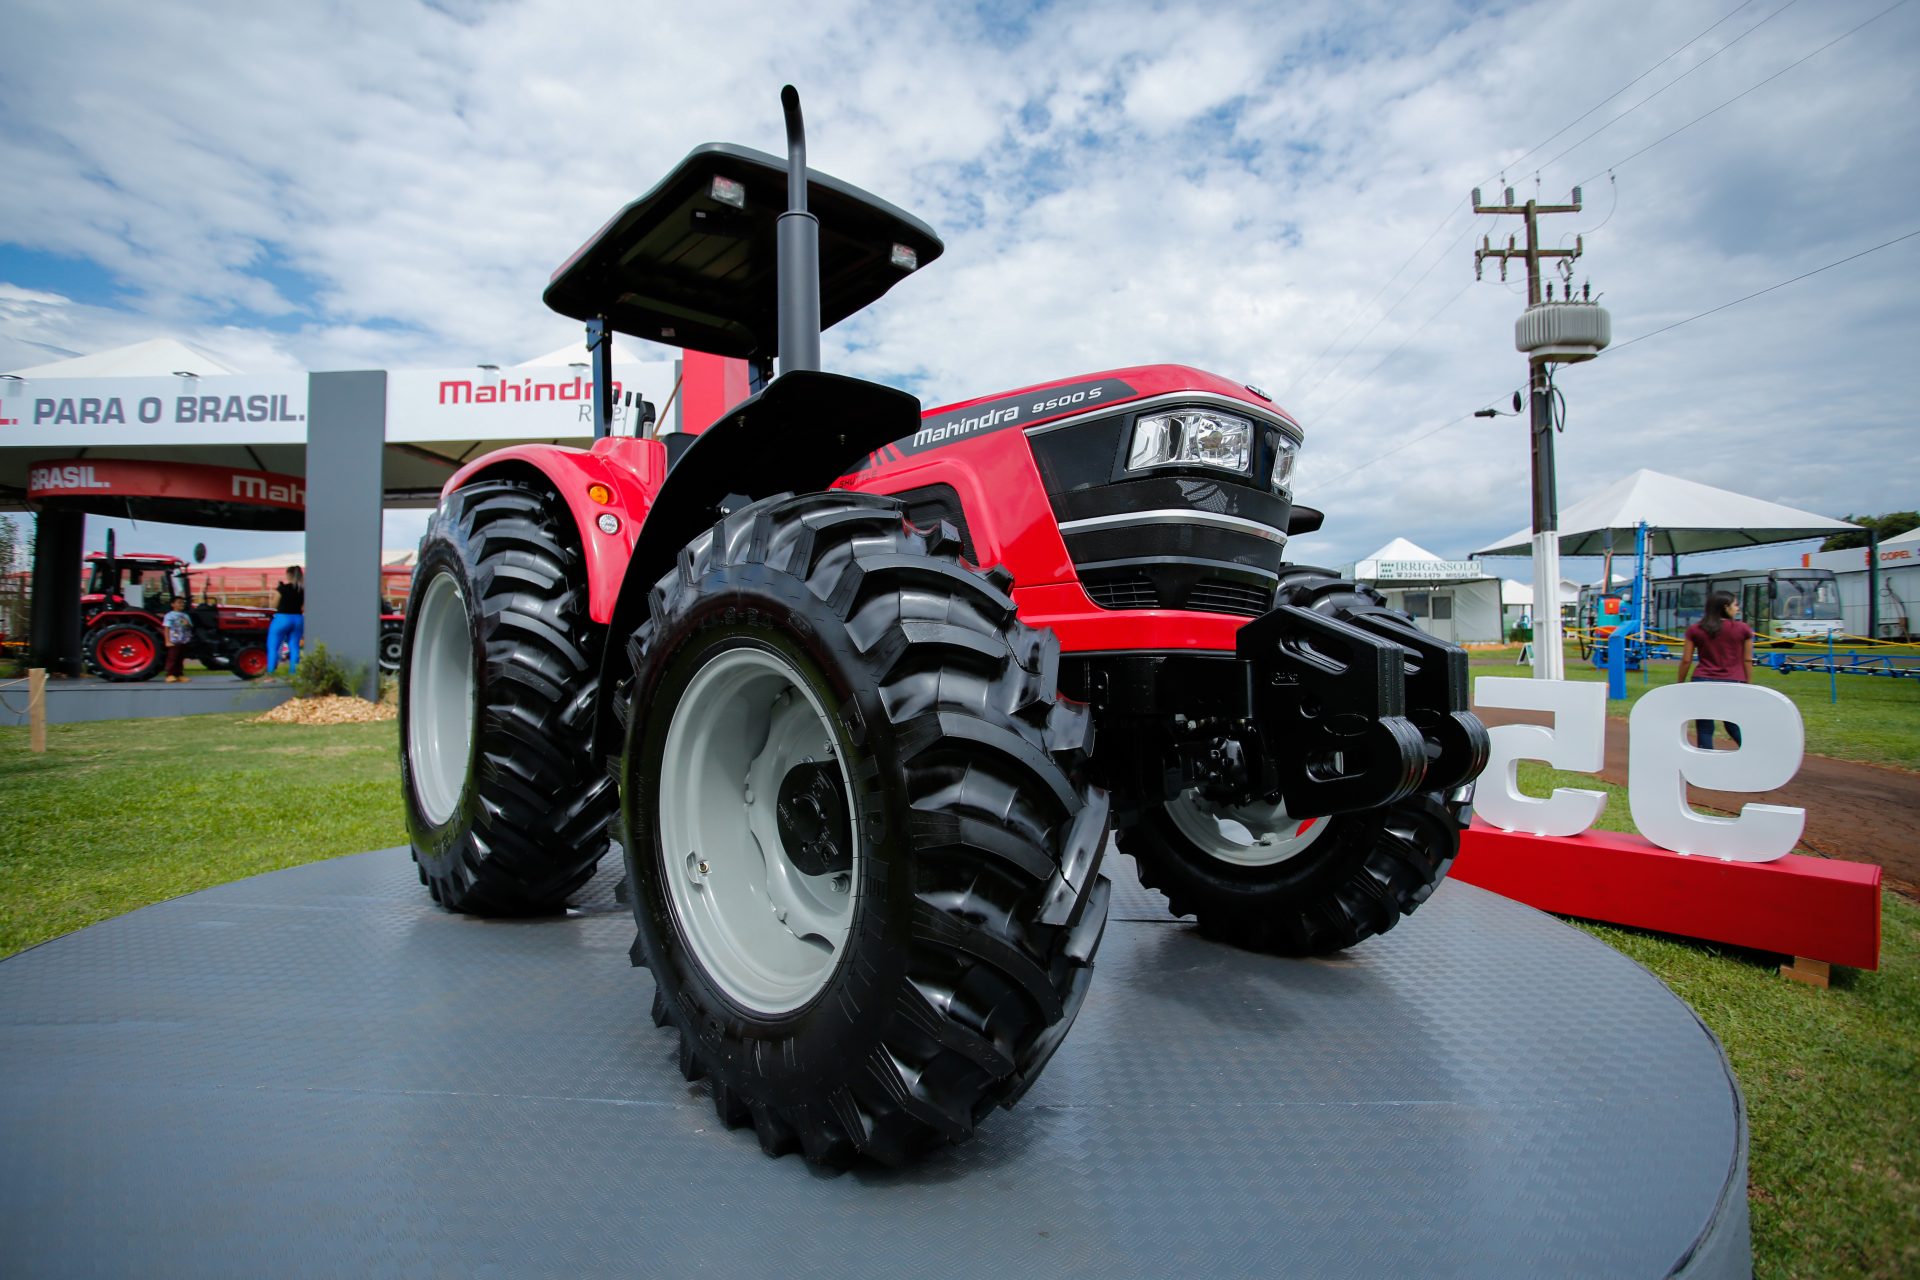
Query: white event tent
{"x":1453,"y":599}
{"x":1682,"y":517}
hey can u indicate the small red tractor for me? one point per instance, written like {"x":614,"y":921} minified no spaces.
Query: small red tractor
{"x":127,"y":595}
{"x":829,"y":673}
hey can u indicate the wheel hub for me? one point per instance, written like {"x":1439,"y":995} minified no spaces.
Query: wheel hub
{"x":811,"y":818}
{"x":761,"y":851}
{"x":1248,"y":835}
{"x":439,"y":691}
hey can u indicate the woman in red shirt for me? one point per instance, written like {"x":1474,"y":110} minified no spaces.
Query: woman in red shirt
{"x":1725,"y":646}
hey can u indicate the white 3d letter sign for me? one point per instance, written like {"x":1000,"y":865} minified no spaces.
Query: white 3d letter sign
{"x":1660,"y":763}
{"x":1577,"y":742}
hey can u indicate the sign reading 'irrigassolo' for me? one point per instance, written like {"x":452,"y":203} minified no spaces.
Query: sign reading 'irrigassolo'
{"x":1660,"y":763}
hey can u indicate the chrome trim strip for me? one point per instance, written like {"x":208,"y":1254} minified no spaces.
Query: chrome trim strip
{"x":1211,"y":398}
{"x":1175,"y":515}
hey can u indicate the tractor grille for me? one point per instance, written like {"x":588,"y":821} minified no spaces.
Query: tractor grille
{"x":1137,"y":590}
{"x":1217,"y":595}
{"x":1133,"y":592}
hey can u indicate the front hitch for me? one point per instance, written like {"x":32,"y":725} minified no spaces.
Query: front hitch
{"x":1331,"y":702}
{"x":1437,"y":699}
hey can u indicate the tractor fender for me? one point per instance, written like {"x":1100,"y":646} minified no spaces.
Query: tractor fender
{"x":108,"y":617}
{"x":632,"y":470}
{"x":801,"y":433}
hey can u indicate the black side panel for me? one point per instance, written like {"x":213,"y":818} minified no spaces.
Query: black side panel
{"x":932,"y":503}
{"x":806,"y":430}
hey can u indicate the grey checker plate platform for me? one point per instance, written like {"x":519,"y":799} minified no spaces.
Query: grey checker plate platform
{"x":318,"y":1072}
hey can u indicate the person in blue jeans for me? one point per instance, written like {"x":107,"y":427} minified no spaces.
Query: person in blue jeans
{"x":289,"y":621}
{"x":1725,"y":648}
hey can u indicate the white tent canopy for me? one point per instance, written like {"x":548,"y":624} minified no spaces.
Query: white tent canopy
{"x":1682,"y":517}
{"x":154,"y":358}
{"x":1910,"y":540}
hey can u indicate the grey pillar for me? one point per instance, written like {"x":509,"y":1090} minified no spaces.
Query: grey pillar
{"x":53,"y":629}
{"x":346,"y":436}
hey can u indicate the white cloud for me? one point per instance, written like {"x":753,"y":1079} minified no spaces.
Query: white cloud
{"x":1223,"y":185}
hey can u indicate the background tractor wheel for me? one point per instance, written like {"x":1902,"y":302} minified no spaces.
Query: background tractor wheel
{"x":507,"y":810}
{"x":1256,"y":878}
{"x":250,"y":663}
{"x":123,"y":651}
{"x":392,"y":640}
{"x":864,"y":858}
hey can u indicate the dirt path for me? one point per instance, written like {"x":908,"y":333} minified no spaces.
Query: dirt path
{"x":1854,"y":810}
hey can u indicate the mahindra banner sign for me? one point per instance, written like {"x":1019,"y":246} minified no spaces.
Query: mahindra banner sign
{"x":422,"y":404}
{"x":85,"y":412}
{"x":119,"y":479}
{"x":510,"y":404}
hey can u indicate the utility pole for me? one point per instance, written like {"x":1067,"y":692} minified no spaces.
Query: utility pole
{"x":1543,"y":347}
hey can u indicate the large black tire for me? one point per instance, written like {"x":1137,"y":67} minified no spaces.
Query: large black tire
{"x":124,"y":651}
{"x":1360,"y":874}
{"x":1353,"y":875}
{"x":524,"y":812}
{"x":977,"y":903}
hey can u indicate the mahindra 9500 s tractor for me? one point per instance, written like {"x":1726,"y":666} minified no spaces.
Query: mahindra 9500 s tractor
{"x":830,"y":672}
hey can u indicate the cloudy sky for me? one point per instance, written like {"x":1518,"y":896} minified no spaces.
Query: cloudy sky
{"x":1275,"y":192}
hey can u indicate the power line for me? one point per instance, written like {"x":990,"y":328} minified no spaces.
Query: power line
{"x":1362,"y":310}
{"x":1513,"y":165}
{"x":1676,"y":80}
{"x":1404,"y":444}
{"x":1621,"y":346}
{"x":1744,"y":92}
{"x":1381,"y":319}
{"x":1287,"y":391}
{"x":1618,"y":347}
{"x":1414,"y":333}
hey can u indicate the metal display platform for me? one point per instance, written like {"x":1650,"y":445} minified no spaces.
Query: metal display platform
{"x":86,"y":699}
{"x":319,"y":1072}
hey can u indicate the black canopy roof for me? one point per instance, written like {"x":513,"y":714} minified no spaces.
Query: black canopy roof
{"x":680,"y":267}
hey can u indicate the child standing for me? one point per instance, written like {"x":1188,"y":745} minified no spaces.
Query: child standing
{"x":179,"y":635}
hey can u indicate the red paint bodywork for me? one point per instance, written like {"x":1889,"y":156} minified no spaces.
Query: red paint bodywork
{"x":633,"y":469}
{"x":1008,"y":514}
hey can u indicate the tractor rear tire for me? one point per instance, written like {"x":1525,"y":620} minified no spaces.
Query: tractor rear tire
{"x":1311,"y":888}
{"x":934,"y":838}
{"x":507,"y":810}
{"x":125,"y":651}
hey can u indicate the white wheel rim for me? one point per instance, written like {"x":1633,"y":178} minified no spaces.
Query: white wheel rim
{"x":439,"y":688}
{"x":1248,"y":835}
{"x":769,"y":934}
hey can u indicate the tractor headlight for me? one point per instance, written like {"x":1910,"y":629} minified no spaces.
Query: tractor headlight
{"x":1285,"y":451}
{"x":1189,"y":438}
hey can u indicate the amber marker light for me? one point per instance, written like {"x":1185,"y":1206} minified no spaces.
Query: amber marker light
{"x":600,"y":494}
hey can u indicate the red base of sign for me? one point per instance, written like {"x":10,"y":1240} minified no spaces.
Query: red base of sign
{"x":1819,"y":908}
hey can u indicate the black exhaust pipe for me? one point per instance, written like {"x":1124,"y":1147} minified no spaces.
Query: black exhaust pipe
{"x":799,"y":245}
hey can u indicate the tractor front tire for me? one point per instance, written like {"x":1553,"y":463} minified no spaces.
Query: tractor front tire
{"x":507,"y":811}
{"x":1256,"y":877}
{"x":1266,"y":882}
{"x":125,"y":651}
{"x":863,"y":854}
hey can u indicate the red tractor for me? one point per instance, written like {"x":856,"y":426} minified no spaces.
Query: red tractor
{"x":829,"y":675}
{"x":127,"y":595}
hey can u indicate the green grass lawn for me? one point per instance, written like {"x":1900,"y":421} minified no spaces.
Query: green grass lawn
{"x":1832,"y":1081}
{"x":119,"y":815}
{"x":1876,"y":720}
{"x":122,"y":813}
